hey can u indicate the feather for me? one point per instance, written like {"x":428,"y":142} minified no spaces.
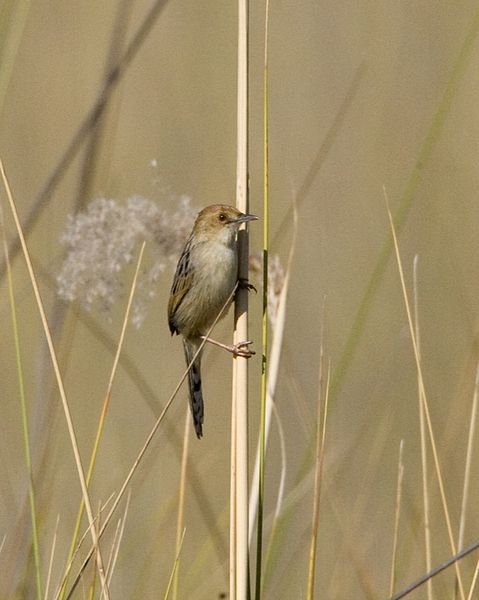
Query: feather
{"x":182,"y":284}
{"x":194,"y":384}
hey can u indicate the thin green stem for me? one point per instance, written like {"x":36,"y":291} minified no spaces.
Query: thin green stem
{"x":264,"y":336}
{"x":318,"y":472}
{"x":24,"y":411}
{"x":177,"y":560}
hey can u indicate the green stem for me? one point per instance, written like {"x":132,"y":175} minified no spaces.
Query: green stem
{"x":25,"y":424}
{"x":262,"y":433}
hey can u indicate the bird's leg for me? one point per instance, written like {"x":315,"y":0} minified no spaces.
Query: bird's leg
{"x":239,"y":349}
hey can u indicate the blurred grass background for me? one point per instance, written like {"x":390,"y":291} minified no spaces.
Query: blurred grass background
{"x":356,"y":84}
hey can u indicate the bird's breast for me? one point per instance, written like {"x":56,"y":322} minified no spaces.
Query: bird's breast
{"x":216,"y":269}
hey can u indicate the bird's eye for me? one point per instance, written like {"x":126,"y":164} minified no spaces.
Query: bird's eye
{"x":222,"y":217}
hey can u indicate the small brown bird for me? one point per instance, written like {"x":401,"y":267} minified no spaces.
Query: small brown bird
{"x":205,"y":277}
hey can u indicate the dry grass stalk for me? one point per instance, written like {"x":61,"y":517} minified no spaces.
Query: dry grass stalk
{"x":473,"y":582}
{"x":392,"y":580}
{"x":61,"y":585}
{"x":177,"y":559}
{"x":467,"y":466}
{"x":50,"y":562}
{"x":422,"y":429}
{"x":115,"y":547}
{"x":180,"y":529}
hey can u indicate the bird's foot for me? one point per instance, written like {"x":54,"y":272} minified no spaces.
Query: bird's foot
{"x":241,"y":349}
{"x":244,"y":284}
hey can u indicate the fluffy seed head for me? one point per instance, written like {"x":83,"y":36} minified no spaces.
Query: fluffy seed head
{"x":102,"y":240}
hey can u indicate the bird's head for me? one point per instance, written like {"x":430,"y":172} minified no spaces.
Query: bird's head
{"x":220,"y":220}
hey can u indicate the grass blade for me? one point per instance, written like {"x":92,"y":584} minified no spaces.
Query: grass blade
{"x":318,"y":476}
{"x":175,"y":566}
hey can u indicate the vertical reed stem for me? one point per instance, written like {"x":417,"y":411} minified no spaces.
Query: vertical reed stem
{"x":239,"y":456}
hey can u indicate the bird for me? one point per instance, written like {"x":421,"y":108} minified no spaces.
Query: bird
{"x":203,"y":285}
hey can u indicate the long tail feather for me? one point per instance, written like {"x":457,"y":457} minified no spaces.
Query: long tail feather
{"x":194,"y":385}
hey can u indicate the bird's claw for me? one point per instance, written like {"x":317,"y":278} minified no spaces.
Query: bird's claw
{"x":244,"y":284}
{"x":241,"y":349}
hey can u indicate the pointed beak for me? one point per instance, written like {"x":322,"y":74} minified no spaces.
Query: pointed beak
{"x":246,"y":218}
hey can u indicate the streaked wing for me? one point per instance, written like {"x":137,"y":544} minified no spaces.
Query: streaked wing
{"x":182,"y":283}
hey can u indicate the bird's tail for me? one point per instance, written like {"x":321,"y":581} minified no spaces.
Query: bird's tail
{"x":194,"y":385}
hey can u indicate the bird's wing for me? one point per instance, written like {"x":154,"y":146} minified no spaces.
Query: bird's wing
{"x":182,"y":283}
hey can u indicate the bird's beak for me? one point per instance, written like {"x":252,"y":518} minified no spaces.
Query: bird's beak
{"x":246,"y":218}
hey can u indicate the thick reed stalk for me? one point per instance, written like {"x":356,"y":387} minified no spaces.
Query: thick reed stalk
{"x":239,"y":456}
